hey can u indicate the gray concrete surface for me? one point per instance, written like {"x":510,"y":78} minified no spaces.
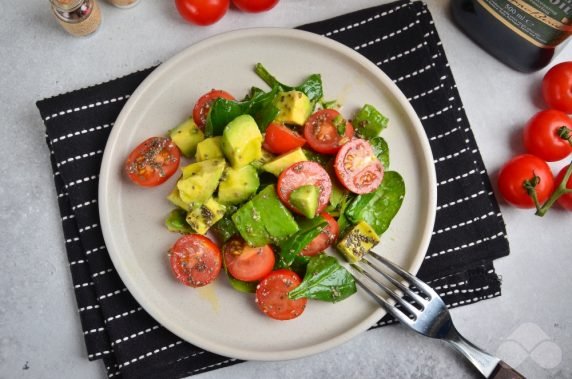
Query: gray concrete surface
{"x":529,"y":325}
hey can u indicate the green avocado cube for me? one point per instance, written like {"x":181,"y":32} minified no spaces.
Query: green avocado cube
{"x":282,"y":162}
{"x":237,"y":185}
{"x":209,"y":149}
{"x":358,"y":242}
{"x":264,"y":219}
{"x":305,"y":199}
{"x":294,"y":107}
{"x":369,"y":122}
{"x":175,"y":198}
{"x":187,"y":136}
{"x":241,"y":141}
{"x":205,"y":215}
{"x":200,"y":180}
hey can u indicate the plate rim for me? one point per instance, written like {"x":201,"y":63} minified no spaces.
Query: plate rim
{"x":107,"y":165}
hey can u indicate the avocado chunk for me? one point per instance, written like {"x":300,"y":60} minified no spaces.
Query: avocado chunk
{"x":200,"y":180}
{"x":205,"y":215}
{"x":369,"y":122}
{"x":264,"y":219}
{"x":241,"y":141}
{"x":282,"y":162}
{"x":176,"y":222}
{"x":237,"y":185}
{"x":266,"y":157}
{"x":358,"y":242}
{"x":305,"y":199}
{"x":209,"y":149}
{"x":175,"y":198}
{"x":187,"y":136}
{"x":294,"y":107}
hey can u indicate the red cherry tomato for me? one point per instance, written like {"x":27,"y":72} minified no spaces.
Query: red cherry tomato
{"x":202,"y":12}
{"x":321,"y":131}
{"x":325,"y":239}
{"x":203,"y":105}
{"x":153,"y":162}
{"x":255,"y":6}
{"x":272,"y":295}
{"x":357,"y":167}
{"x":557,"y":87}
{"x":247,"y":263}
{"x":565,"y":200}
{"x":548,"y":135}
{"x":301,"y":174}
{"x":280,"y":139}
{"x":516,"y":172}
{"x":195,"y":260}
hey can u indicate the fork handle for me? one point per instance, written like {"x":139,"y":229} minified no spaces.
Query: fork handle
{"x":504,"y":371}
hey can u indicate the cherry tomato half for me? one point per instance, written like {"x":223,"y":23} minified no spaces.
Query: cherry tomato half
{"x":195,"y":260}
{"x":565,"y":200}
{"x":325,"y":239}
{"x":321,"y":131}
{"x":272,"y":295}
{"x":153,"y":162}
{"x":357,"y":167}
{"x":203,"y":105}
{"x":304,"y":173}
{"x":516,"y":172}
{"x":557,"y":87}
{"x":255,"y":6}
{"x":548,"y":135}
{"x":247,"y":263}
{"x":280,"y":139}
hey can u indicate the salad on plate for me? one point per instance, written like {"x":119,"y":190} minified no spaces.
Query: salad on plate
{"x":269,"y":183}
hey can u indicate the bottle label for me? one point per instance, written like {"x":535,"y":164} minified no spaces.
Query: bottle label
{"x":544,"y":23}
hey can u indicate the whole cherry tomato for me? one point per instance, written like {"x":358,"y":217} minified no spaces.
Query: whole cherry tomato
{"x":548,"y":135}
{"x":202,"y":12}
{"x":255,"y":6}
{"x":565,"y":200}
{"x":523,"y":169}
{"x":557,"y":87}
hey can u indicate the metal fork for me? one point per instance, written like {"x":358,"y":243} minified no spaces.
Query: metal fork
{"x":423,"y":311}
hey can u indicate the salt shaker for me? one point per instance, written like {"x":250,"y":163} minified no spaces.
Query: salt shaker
{"x":124,"y":3}
{"x":78,"y":17}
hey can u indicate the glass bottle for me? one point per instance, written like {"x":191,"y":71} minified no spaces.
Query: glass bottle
{"x":524,"y":34}
{"x":78,"y":17}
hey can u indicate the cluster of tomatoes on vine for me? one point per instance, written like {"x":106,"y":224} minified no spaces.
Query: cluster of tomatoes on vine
{"x":527,"y":181}
{"x":207,"y":12}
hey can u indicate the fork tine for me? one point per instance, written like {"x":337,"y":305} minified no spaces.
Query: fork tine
{"x":391,"y":293}
{"x":406,"y":290}
{"x":402,"y":317}
{"x":422,"y":286}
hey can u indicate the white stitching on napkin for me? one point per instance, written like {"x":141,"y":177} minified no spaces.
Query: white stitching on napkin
{"x":412,"y":74}
{"x":102,"y":247}
{"x":81,"y":230}
{"x":123,"y":314}
{"x":87,"y":203}
{"x":402,"y":54}
{"x":365,"y":21}
{"x":461,"y":200}
{"x":439,"y":136}
{"x":82,"y":180}
{"x":88,"y":308}
{"x":386,"y":36}
{"x":464,"y":223}
{"x":78,"y":157}
{"x":148,"y":330}
{"x":210,"y":366}
{"x":452,"y":155}
{"x":465,"y":245}
{"x":108,"y":295}
{"x":88,"y":106}
{"x":434,"y":114}
{"x":80,"y":132}
{"x":428,"y":92}
{"x":149,"y":354}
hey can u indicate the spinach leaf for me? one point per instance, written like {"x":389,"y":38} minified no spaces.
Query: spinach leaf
{"x":259,"y":104}
{"x":379,"y":207}
{"x":381,"y":150}
{"x":293,"y":245}
{"x":312,"y":86}
{"x":326,"y":279}
{"x":224,"y":229}
{"x":242,"y":286}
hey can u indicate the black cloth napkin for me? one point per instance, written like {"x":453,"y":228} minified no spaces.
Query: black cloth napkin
{"x":469,"y":231}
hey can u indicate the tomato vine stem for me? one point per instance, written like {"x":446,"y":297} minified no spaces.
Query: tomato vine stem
{"x":559,"y":191}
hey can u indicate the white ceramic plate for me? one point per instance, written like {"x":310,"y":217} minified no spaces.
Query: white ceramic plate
{"x":216,"y":317}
